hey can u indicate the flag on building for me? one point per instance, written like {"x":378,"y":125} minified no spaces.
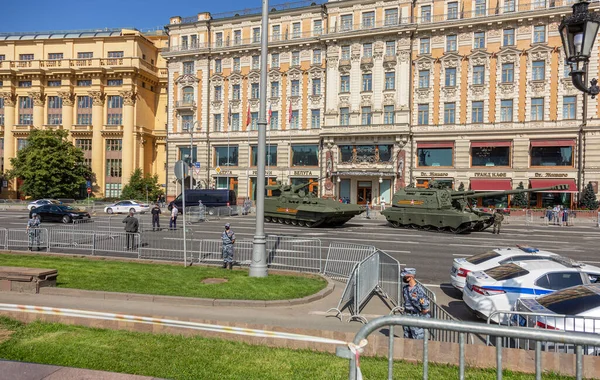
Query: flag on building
{"x":229,"y":118}
{"x":248,"y":116}
{"x":269,"y":115}
{"x":290,"y":113}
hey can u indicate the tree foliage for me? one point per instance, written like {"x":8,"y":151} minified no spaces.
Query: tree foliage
{"x":461,"y":187}
{"x":139,"y":184}
{"x":588,"y":199}
{"x":520,"y":199}
{"x":50,"y":166}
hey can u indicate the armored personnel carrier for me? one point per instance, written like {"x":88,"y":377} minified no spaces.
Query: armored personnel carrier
{"x":441,"y":209}
{"x":296,"y":206}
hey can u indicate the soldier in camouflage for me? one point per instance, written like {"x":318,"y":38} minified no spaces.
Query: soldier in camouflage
{"x":228,"y":238}
{"x":416,"y":302}
{"x":33,"y":231}
{"x":498,"y":218}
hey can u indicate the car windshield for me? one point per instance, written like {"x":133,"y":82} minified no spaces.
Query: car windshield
{"x":483,"y":257}
{"x":571,"y":301}
{"x":506,"y":272}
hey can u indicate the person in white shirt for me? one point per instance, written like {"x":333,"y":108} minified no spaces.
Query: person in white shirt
{"x":382,"y":203}
{"x":174,"y":214}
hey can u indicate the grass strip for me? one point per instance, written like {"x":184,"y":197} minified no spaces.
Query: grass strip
{"x":168,"y":280}
{"x":179,"y":357}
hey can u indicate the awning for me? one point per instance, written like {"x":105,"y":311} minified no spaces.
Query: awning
{"x":485,"y":144}
{"x":439,"y":144}
{"x":570,"y":142}
{"x":553,"y":182}
{"x":479,"y":184}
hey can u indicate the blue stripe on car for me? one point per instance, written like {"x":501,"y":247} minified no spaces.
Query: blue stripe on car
{"x":510,"y":289}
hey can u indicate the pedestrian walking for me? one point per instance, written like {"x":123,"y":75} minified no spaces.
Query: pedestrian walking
{"x":498,"y":219}
{"x":33,"y":232}
{"x":555,"y":214}
{"x":382,"y":203}
{"x":228,"y":238}
{"x":416,"y":302}
{"x":247,"y":206}
{"x":174,"y":214}
{"x":131,"y":228}
{"x":156,"y":217}
{"x":368,"y":211}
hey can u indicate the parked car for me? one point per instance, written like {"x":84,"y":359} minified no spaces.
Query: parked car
{"x":41,"y":202}
{"x":126,"y":206}
{"x":59,"y":213}
{"x":499,"y":288}
{"x":211,"y":199}
{"x":464,"y":265}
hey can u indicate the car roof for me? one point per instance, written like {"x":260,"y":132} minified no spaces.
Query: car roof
{"x":521,"y":249}
{"x":555,"y":263}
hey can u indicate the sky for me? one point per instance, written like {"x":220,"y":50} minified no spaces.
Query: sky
{"x":47,"y":15}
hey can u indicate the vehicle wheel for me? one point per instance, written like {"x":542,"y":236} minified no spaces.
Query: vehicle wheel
{"x":267,"y":219}
{"x":395,"y":224}
{"x":66,"y":219}
{"x":294,"y":222}
{"x":301,"y":223}
{"x":32,"y":208}
{"x":308,"y":224}
{"x":281,"y":221}
{"x":132,"y":210}
{"x":287,"y":221}
{"x":109,"y":210}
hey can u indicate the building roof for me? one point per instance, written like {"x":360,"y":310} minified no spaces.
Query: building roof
{"x":59,"y":34}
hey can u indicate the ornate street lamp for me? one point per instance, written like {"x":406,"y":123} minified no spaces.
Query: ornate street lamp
{"x":578,"y":33}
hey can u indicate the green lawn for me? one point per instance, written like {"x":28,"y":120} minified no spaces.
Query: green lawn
{"x":157,"y":279}
{"x":178,"y":357}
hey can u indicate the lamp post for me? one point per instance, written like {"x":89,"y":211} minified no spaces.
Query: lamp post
{"x":578,"y":33}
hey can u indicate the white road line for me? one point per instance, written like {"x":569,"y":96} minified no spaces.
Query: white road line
{"x":461,"y":255}
{"x":590,"y":262}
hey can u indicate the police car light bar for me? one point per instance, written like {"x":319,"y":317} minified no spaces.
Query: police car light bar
{"x":528,"y":249}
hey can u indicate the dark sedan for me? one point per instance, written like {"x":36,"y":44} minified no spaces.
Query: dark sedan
{"x":59,"y":213}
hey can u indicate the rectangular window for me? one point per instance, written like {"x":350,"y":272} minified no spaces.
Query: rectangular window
{"x":295,"y":87}
{"x":114,"y":145}
{"x":569,"y":107}
{"x":567,"y":69}
{"x":26,"y":57}
{"x":85,"y":55}
{"x":275,"y":60}
{"x":54,"y":83}
{"x":451,"y":42}
{"x":305,"y":155}
{"x":316,"y":57}
{"x":217,"y":123}
{"x":346,"y":52}
{"x":509,"y":6}
{"x":345,"y":83}
{"x":237,"y":37}
{"x":390,"y":48}
{"x":367,"y":50}
{"x":237,"y":64}
{"x":184,"y":154}
{"x":346,"y":21}
{"x":84,"y":144}
{"x":390,"y":80}
{"x":255,"y":62}
{"x":391,"y":17}
{"x":537,"y":109}
{"x":426,"y":13}
{"x":114,"y":82}
{"x":254,"y":121}
{"x":218,"y":92}
{"x":552,"y":156}
{"x":235,"y":122}
{"x":2,"y":57}
{"x":270,"y":155}
{"x":315,"y":119}
{"x":84,"y":83}
{"x":115,"y":54}
{"x":274,"y":89}
{"x":55,"y":56}
{"x":184,"y":42}
{"x":490,"y":156}
{"x":84,"y":110}
{"x":367,"y":82}
{"x":114,"y":169}
{"x":2,"y":113}
{"x":254,"y":91}
{"x":218,"y":66}
{"x":194,"y":43}
{"x":506,"y":110}
{"x":344,"y":116}
{"x":368,"y":20}
{"x":236,"y":93}
{"x":295,"y":122}
{"x":54,"y":110}
{"x":21,"y":144}
{"x":276,"y":32}
{"x":226,"y":155}
{"x":479,"y":40}
{"x":366,"y":115}
{"x":477,"y":112}
{"x":317,"y":27}
{"x":450,"y":80}
{"x":538,"y":70}
{"x":24,"y":83}
{"x":274,"y":122}
{"x":388,"y":115}
{"x":478,"y":75}
{"x":424,"y":79}
{"x":219,"y":39}
{"x":480,"y":8}
{"x":115,"y":110}
{"x":453,"y":10}
{"x":423,"y":114}
{"x":424,"y":45}
{"x":255,"y":35}
{"x":435,"y":156}
{"x":508,"y":37}
{"x":187,"y":122}
{"x":296,"y":32}
{"x":449,"y":113}
{"x":295,"y":58}
{"x":25,"y":110}
{"x":508,"y":72}
{"x":316,"y":87}
{"x":539,"y":34}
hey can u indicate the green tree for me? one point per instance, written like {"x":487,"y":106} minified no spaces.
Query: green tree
{"x":141,"y":186}
{"x":461,"y":187}
{"x":520,"y":199}
{"x":50,"y":166}
{"x":588,"y":199}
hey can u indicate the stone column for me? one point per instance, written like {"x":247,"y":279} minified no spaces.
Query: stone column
{"x":128,"y":137}
{"x":38,"y":108}
{"x":97,"y":141}
{"x":141,"y":163}
{"x":67,"y":112}
{"x":9,"y":140}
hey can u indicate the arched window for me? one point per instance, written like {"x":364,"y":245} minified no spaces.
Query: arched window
{"x":188,"y":95}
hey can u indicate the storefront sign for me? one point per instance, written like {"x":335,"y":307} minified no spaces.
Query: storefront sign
{"x":267,"y":172}
{"x":490,"y":175}
{"x":224,"y":172}
{"x":552,"y":175}
{"x":303,"y":172}
{"x":433,"y":174}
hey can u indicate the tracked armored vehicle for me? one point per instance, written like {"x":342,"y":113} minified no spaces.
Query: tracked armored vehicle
{"x":441,"y":209}
{"x":296,"y":206}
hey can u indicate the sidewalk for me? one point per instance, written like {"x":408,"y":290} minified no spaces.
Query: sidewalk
{"x":30,"y":371}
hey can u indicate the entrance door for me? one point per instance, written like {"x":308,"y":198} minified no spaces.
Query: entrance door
{"x":364,"y":192}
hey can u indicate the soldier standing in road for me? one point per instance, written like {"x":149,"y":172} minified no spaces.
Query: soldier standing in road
{"x":156,"y":217}
{"x":498,"y":219}
{"x":416,"y":302}
{"x":228,"y":238}
{"x":131,"y":228}
{"x":33,"y":231}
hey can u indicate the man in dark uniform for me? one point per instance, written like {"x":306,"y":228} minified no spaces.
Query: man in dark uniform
{"x":156,"y":217}
{"x":416,"y":302}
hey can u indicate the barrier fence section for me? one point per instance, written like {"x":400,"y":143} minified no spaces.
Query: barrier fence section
{"x":576,"y":339}
{"x":341,"y":258}
{"x":561,"y":218}
{"x":169,"y":247}
{"x":294,"y":253}
{"x":20,"y":238}
{"x":544,"y":321}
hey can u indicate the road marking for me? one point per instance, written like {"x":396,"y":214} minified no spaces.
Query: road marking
{"x":590,"y":262}
{"x":461,"y":254}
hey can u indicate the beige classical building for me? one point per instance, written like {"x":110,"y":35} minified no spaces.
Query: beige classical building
{"x":383,"y":94}
{"x":107,"y":88}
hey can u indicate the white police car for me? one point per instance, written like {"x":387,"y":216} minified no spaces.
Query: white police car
{"x":499,"y":288}
{"x":464,"y":265}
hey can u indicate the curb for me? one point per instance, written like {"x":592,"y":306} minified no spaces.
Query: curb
{"x":175,"y":300}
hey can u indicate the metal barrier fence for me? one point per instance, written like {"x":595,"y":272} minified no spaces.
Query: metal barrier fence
{"x":576,"y":339}
{"x":342,"y":257}
{"x":562,"y":218}
{"x":20,"y":238}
